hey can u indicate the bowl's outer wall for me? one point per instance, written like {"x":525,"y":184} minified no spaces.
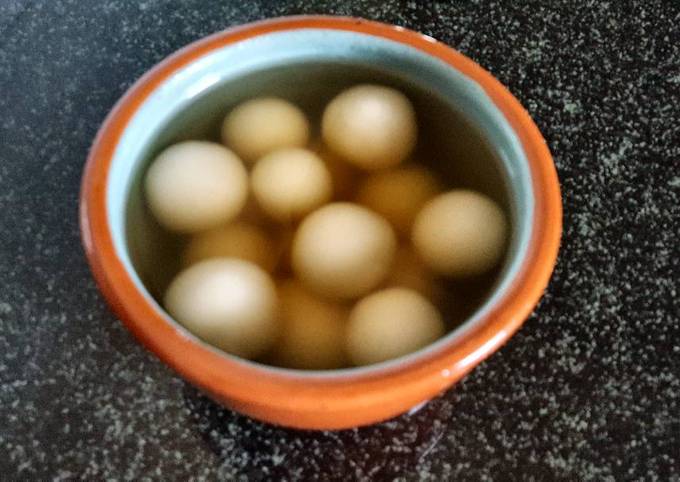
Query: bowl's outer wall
{"x":321,"y":402}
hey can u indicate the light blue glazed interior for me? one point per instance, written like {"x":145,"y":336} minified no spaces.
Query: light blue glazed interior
{"x":304,"y":65}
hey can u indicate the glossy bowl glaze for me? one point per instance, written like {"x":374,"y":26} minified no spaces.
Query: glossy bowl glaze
{"x":341,"y":398}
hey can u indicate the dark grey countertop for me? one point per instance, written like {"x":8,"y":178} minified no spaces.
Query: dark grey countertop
{"x":588,"y":390}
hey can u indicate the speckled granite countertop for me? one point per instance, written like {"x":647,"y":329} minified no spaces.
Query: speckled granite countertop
{"x":588,"y":390}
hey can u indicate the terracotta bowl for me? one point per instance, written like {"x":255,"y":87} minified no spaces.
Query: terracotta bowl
{"x":305,"y":57}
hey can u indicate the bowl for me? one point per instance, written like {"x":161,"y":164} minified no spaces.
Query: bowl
{"x":488,"y":133}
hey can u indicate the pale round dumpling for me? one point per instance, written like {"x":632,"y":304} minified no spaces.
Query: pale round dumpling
{"x":227,"y":302}
{"x":391,"y":323}
{"x":460,"y":233}
{"x":195,"y":185}
{"x":343,"y":250}
{"x":289,"y":183}
{"x":234,"y":240}
{"x":370,"y":126}
{"x":259,"y":126}
{"x":398,"y":194}
{"x":312,"y":330}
